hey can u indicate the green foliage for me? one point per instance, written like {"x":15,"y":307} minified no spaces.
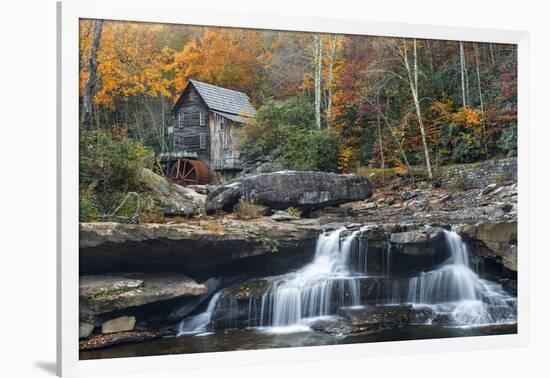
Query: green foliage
{"x":109,"y":167}
{"x":508,"y":141}
{"x":289,"y":125}
{"x":88,"y":210}
{"x":467,"y":149}
{"x":308,"y":150}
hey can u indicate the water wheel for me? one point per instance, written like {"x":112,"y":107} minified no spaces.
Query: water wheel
{"x":188,"y":172}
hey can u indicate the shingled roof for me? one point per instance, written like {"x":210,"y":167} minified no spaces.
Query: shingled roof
{"x":224,"y":100}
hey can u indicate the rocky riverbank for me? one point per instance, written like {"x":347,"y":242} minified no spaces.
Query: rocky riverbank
{"x":139,"y":280}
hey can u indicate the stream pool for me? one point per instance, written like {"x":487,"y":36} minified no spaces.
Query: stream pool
{"x":250,"y":339}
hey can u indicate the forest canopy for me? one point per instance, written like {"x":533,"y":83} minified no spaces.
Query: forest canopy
{"x":327,"y":102}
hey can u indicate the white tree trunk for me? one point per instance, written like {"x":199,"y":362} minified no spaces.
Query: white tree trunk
{"x":382,"y":164}
{"x":413,"y":83}
{"x":330,"y":83}
{"x":467,"y":80}
{"x":462,"y":74}
{"x":318,"y":60}
{"x":480,"y":98}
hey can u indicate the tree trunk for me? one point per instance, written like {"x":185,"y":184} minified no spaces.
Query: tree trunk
{"x":413,"y":83}
{"x":330,"y":68}
{"x":382,"y":165}
{"x":87,"y":101}
{"x":476,"y":54}
{"x":430,"y":55}
{"x":396,"y":140}
{"x":462,"y":74}
{"x":492,"y":53}
{"x":466,"y":77}
{"x":318,"y":52}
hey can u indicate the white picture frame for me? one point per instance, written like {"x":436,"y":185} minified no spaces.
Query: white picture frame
{"x":166,"y":11}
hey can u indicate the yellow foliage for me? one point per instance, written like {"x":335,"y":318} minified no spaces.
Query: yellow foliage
{"x":130,"y":61}
{"x":348,"y":158}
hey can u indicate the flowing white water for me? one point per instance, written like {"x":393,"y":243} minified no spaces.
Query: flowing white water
{"x":456,"y":291}
{"x":199,"y":322}
{"x":320,"y":287}
{"x":452,"y":294}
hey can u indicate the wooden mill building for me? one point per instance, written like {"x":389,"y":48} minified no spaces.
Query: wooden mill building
{"x":206,"y":119}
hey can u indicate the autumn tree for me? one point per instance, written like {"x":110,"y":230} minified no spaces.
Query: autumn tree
{"x":231,"y":58}
{"x":86,"y":112}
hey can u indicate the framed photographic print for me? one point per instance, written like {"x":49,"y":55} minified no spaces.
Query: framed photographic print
{"x":270,"y":188}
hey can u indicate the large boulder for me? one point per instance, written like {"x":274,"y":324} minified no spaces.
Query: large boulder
{"x":284,"y":189}
{"x":223,"y":198}
{"x":101,"y":294}
{"x":417,"y":250}
{"x":495,"y":240}
{"x":422,"y":242}
{"x":174,"y":199}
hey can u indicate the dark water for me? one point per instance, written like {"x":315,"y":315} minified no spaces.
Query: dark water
{"x":249,"y":339}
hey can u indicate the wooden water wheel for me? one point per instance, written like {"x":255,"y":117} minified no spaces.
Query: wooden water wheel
{"x":188,"y":172}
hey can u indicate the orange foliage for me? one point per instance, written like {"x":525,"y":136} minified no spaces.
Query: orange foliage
{"x":130,"y":60}
{"x":225,"y":57}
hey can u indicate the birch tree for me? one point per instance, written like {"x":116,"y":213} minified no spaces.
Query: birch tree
{"x":332,"y":57}
{"x":379,"y":126}
{"x":481,"y":107}
{"x":318,"y":61}
{"x":462,"y":79}
{"x":86,"y":114}
{"x":412,"y":75}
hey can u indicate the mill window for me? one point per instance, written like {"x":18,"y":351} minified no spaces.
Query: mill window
{"x":202,"y":141}
{"x":202,"y":118}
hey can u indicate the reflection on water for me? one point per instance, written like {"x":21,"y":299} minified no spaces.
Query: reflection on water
{"x":250,"y":339}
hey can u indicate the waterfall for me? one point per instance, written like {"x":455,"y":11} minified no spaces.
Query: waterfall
{"x":456,"y":291}
{"x":452,"y":294}
{"x":320,"y":287}
{"x":199,"y":323}
{"x":453,"y":291}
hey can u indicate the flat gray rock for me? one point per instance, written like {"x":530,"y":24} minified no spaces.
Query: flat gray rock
{"x":105,"y":293}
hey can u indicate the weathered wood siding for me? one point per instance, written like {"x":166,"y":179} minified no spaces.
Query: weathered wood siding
{"x":224,"y":144}
{"x":188,"y":129}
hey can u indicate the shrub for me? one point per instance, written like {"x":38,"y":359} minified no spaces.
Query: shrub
{"x":309,"y":149}
{"x":508,"y":141}
{"x":289,"y":125}
{"x":246,"y":210}
{"x":153,"y":217}
{"x":109,"y":169}
{"x":88,"y":211}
